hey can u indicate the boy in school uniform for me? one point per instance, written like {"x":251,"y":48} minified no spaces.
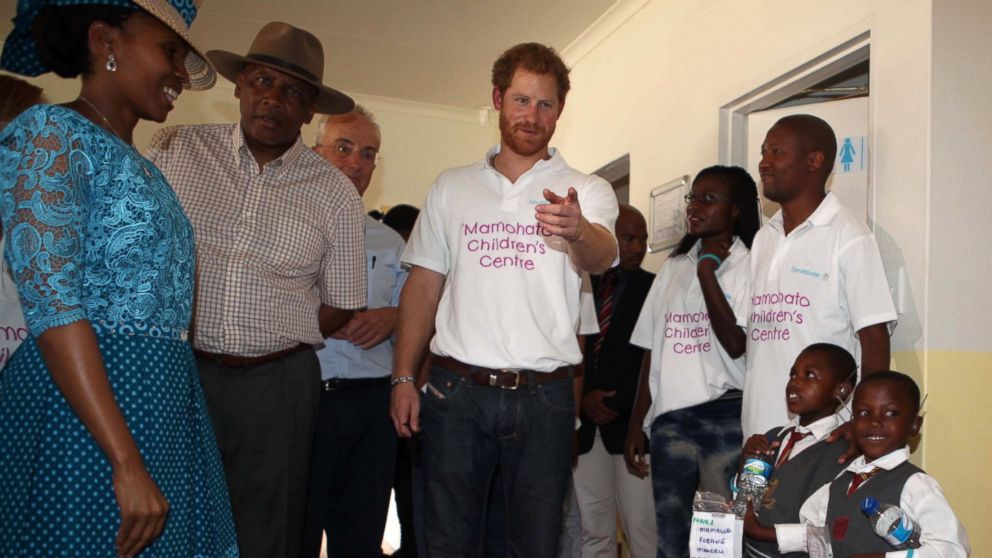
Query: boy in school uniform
{"x":886,"y":414}
{"x":819,"y":382}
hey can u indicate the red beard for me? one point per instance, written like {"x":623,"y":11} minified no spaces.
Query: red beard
{"x":524,"y":145}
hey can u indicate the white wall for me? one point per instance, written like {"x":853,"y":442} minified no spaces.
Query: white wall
{"x":653,"y":87}
{"x":961,"y":170}
{"x":418,"y":140}
{"x":959,"y":361}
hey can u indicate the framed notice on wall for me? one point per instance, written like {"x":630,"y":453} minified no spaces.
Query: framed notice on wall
{"x":668,"y":214}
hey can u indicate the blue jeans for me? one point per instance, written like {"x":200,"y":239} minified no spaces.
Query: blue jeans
{"x":691,"y":449}
{"x":469,"y":430}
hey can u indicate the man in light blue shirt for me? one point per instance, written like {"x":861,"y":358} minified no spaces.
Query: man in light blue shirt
{"x":355,"y":446}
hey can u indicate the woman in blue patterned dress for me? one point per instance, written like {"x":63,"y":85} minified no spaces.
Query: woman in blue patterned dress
{"x":106,"y":448}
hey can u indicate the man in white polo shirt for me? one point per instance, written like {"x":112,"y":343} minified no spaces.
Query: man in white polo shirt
{"x":495,"y":264}
{"x":816,"y":272}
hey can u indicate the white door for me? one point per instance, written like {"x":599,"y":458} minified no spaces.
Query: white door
{"x":849,"y":119}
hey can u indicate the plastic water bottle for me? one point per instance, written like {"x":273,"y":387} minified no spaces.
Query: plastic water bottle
{"x":752,"y":483}
{"x":892,"y":524}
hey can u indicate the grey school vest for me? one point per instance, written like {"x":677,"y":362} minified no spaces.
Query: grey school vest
{"x":849,"y":529}
{"x":790,"y":486}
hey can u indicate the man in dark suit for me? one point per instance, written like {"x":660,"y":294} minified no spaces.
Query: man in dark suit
{"x":612,"y":365}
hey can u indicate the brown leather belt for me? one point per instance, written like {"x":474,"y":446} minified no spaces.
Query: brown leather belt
{"x":235,"y":360}
{"x":503,"y":378}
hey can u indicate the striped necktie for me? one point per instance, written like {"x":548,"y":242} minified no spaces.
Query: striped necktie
{"x":789,"y":445}
{"x":859,"y":479}
{"x":605,"y":314}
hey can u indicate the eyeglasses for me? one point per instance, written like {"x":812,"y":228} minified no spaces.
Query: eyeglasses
{"x":344,"y":149}
{"x":708,"y":198}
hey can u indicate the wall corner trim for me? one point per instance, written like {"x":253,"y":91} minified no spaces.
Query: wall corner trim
{"x":604,"y":26}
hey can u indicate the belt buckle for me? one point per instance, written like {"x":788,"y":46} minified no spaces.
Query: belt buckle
{"x":516,"y":374}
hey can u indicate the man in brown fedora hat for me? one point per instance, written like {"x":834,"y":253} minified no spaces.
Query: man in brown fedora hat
{"x":280,"y":266}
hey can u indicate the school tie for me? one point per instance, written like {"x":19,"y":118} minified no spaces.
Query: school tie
{"x":789,"y":445}
{"x":605,"y":315}
{"x":859,"y":479}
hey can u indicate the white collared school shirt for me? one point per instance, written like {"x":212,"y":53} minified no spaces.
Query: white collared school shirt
{"x":942,"y":534}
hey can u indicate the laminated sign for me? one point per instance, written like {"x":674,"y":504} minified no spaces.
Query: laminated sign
{"x":716,"y":534}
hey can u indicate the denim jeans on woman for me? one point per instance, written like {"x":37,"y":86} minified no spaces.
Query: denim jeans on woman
{"x":696,"y":448}
{"x":469,"y":430}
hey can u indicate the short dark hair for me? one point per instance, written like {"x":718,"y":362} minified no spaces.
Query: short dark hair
{"x":744,"y":192}
{"x":533,"y":57}
{"x":61,"y":35}
{"x":902,"y":381}
{"x":841,"y":365}
{"x":401,"y":218}
{"x":817,"y":134}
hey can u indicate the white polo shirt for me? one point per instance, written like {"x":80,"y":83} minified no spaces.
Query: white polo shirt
{"x":820,"y":284}
{"x":588,"y":320}
{"x":511,"y":298}
{"x":689,"y":366}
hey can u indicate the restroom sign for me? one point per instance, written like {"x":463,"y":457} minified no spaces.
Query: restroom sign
{"x":852,"y":155}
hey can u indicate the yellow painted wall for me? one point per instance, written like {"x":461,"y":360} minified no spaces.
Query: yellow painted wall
{"x":957,"y":437}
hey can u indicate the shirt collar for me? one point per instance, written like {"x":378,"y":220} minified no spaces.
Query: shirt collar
{"x":820,"y":429}
{"x":281,"y":163}
{"x":556,"y":162}
{"x":888,"y":461}
{"x":821,"y":217}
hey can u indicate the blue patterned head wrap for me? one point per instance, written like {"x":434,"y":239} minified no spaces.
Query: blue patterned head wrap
{"x":20,"y":55}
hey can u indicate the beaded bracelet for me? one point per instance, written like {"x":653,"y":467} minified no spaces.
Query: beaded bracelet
{"x":713,"y":257}
{"x":401,"y":380}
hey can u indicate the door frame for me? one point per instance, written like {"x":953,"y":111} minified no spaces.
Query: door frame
{"x":733,"y":115}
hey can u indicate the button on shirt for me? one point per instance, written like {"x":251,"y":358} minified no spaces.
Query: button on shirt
{"x":942,"y":535}
{"x":341,"y":359}
{"x":511,"y":298}
{"x":272,"y":243}
{"x":820,"y":284}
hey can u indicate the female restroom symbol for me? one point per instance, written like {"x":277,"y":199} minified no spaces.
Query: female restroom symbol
{"x":847,"y":154}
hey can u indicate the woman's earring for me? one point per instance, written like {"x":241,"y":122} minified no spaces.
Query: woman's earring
{"x":111,"y":63}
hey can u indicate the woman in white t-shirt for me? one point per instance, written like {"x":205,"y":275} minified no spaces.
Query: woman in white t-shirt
{"x":689,"y":396}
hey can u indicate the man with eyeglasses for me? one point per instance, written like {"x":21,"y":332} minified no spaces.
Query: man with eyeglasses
{"x":354,"y":451}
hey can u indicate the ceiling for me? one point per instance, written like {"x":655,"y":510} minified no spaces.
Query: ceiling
{"x":432,"y":51}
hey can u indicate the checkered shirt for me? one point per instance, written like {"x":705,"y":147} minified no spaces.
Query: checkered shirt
{"x":272,"y":244}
